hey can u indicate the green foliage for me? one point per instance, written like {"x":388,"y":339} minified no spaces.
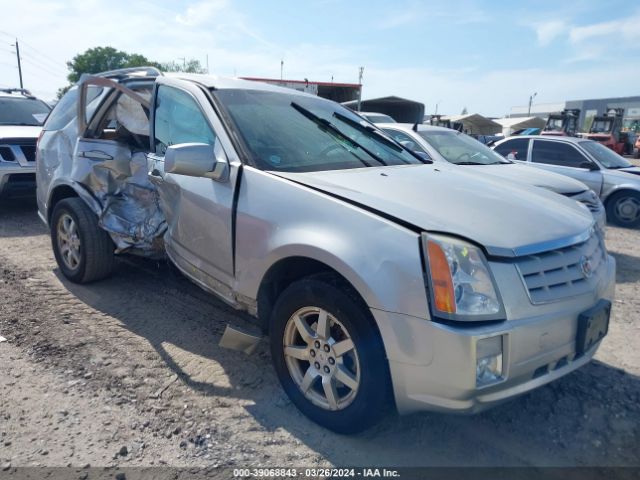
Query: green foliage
{"x":101,"y":59}
{"x":189,"y":66}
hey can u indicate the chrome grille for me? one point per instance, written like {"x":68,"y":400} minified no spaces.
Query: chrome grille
{"x":562,"y":273}
{"x":20,"y":150}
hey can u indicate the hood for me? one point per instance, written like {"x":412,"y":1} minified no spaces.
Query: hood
{"x":622,"y":174}
{"x":508,"y":219}
{"x":19,"y":131}
{"x":533,"y":176}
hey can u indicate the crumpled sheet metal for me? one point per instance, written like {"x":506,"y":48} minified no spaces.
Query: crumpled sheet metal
{"x":129,"y":202}
{"x":118,"y":190}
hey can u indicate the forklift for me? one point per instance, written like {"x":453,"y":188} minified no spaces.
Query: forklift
{"x":564,"y":123}
{"x":438,"y":121}
{"x":607,"y":129}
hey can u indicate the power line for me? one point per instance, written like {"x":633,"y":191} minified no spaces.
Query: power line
{"x":57,"y":69}
{"x":44,"y":69}
{"x":44,"y":56}
{"x":52,"y":63}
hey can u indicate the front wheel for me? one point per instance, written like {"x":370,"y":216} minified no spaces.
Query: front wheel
{"x":623,"y":209}
{"x":329,"y":356}
{"x":83,"y":250}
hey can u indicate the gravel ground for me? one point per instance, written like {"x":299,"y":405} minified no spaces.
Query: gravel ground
{"x":127,"y":372}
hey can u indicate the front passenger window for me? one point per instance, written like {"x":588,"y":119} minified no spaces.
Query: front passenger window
{"x":515,"y":149}
{"x":557,"y":153}
{"x":178,"y":119}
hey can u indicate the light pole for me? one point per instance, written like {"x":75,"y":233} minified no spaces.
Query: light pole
{"x":19,"y":63}
{"x":531,"y":97}
{"x":360,"y":73}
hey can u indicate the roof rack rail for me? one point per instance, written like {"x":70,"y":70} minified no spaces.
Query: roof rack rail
{"x":23,"y":91}
{"x":131,"y":71}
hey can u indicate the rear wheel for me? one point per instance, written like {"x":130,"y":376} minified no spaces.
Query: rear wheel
{"x":329,"y":356}
{"x":623,"y":209}
{"x":83,"y":250}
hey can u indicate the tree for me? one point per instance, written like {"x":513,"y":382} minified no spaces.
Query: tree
{"x":190,"y":66}
{"x":100,"y":59}
{"x":464,"y":111}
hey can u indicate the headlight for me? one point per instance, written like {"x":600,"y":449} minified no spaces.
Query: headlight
{"x":460,"y":283}
{"x":589,"y":199}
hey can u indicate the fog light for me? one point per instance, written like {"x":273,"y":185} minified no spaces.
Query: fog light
{"x":488,"y":360}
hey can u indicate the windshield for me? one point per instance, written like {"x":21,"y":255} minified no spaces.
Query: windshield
{"x":461,"y":149}
{"x":296,"y":133}
{"x":378,"y":118}
{"x":607,"y":157}
{"x":601,"y":126}
{"x":22,"y":111}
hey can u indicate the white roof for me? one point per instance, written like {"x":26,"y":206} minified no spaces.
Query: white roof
{"x":476,"y":123}
{"x":521,"y":122}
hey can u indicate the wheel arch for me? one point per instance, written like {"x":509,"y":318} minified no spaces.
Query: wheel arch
{"x":618,"y":190}
{"x":288,"y":270}
{"x":69,"y":190}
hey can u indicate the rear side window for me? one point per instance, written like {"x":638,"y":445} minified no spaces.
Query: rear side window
{"x":178,"y":119}
{"x":515,"y":149}
{"x":557,"y":153}
{"x":67,"y":108}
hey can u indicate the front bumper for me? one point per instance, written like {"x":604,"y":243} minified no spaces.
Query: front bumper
{"x":16,"y":179}
{"x":433,"y":366}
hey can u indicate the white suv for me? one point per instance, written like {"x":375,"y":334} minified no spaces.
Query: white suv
{"x":21,"y":119}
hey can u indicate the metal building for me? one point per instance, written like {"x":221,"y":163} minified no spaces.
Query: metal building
{"x":338,"y":92}
{"x":588,"y":109}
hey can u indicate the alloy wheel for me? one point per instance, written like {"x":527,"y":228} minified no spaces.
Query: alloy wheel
{"x":321,"y":358}
{"x":68,"y":241}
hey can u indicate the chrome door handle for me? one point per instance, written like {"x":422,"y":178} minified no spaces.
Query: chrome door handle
{"x":96,"y":155}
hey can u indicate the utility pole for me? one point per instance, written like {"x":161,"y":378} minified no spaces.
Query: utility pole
{"x":207,"y":64}
{"x":360,"y":72}
{"x":19,"y":64}
{"x":531,"y":97}
{"x":184,"y":63}
{"x":281,"y":69}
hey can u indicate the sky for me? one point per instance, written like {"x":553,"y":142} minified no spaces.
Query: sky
{"x":484,"y":55}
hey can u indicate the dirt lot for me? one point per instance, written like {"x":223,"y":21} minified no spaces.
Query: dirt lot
{"x":128,"y":372}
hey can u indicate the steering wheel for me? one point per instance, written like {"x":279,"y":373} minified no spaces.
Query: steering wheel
{"x":464,"y":157}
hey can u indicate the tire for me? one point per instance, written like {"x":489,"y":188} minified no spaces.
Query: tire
{"x":623,"y":209}
{"x":93,"y":259}
{"x":368,"y":398}
{"x":636,"y":155}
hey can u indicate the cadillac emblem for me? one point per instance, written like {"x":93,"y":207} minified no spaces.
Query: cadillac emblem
{"x":585,"y":267}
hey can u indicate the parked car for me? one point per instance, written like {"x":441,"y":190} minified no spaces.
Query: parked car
{"x":381,"y":278}
{"x":21,"y":118}
{"x":612,"y":177}
{"x":449,"y":146}
{"x":375,"y":117}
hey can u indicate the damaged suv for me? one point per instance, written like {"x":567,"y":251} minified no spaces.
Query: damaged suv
{"x":381,"y":278}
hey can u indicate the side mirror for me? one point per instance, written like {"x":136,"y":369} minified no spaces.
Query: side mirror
{"x":197,"y":160}
{"x":588,"y":165}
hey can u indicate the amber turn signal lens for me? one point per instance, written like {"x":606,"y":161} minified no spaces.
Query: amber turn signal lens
{"x":441,"y":279}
